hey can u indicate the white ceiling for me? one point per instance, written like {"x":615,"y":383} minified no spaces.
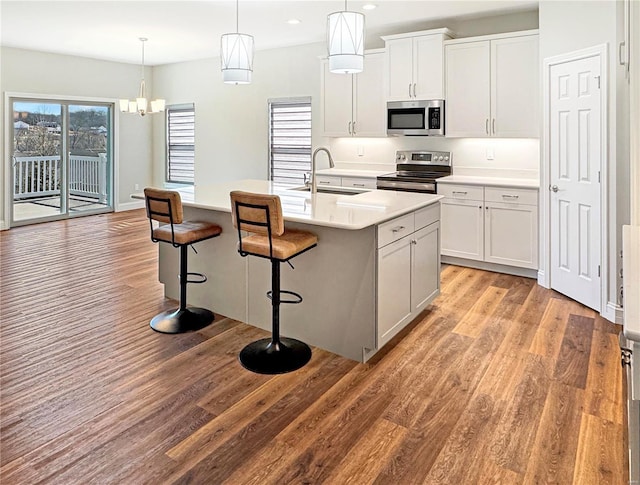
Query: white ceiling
{"x":188,"y":30}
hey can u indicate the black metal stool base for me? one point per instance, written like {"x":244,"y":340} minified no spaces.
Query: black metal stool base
{"x":264,"y":357}
{"x":181,"y":321}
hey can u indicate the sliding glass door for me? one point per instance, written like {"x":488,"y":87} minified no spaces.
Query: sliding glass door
{"x":61,"y":159}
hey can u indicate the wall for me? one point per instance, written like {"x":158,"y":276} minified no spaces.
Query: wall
{"x":595,"y":23}
{"x":232,"y":120}
{"x":25,"y":71}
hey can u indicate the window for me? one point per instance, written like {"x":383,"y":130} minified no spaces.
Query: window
{"x":289,"y":140}
{"x":181,"y":134}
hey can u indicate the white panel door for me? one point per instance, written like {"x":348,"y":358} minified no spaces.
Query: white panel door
{"x":428,"y":59}
{"x":394,"y":287}
{"x":468,"y":89}
{"x":425,"y":265}
{"x":337,"y":100}
{"x":514,"y":87}
{"x":369,"y":103}
{"x":462,"y":223}
{"x":511,"y":234}
{"x":575,"y":152}
{"x":399,"y":69}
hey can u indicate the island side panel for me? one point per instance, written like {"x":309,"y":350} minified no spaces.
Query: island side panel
{"x":337,"y":282}
{"x":225,"y":292}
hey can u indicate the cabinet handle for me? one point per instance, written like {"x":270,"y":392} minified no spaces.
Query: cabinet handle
{"x":414,"y":90}
{"x":358,"y":185}
{"x":507,"y":196}
{"x":480,"y":207}
{"x":621,"y":59}
{"x":409,"y":89}
{"x":493,"y":125}
{"x":353,"y":128}
{"x":349,"y":127}
{"x":324,"y":182}
{"x":413,"y":241}
{"x":486,"y":125}
{"x":397,"y":229}
{"x":460,"y":192}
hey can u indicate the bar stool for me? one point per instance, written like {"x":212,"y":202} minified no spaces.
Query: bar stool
{"x":166,"y":206}
{"x":261,"y":215}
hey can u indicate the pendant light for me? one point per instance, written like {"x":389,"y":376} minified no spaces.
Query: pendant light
{"x":236,"y":56}
{"x":345,"y":41}
{"x":140,"y":104}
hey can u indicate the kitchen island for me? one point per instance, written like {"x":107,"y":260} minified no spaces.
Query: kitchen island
{"x":376,"y":266}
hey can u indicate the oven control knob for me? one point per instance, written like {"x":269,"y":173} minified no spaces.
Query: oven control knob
{"x":446,"y":159}
{"x":402,"y":157}
{"x":440,"y":158}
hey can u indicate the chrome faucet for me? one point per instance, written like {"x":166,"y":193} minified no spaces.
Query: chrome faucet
{"x":314,"y":184}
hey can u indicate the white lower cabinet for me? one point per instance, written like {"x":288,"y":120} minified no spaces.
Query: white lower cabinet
{"x":408,"y":269}
{"x":490,"y":224}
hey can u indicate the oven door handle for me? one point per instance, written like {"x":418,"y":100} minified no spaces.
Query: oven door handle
{"x":429,"y":187}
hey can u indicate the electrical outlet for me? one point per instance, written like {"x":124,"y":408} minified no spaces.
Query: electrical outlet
{"x":137,"y":187}
{"x":490,"y":153}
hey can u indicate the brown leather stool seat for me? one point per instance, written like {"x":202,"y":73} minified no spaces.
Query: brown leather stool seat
{"x":261,"y":215}
{"x":166,"y":206}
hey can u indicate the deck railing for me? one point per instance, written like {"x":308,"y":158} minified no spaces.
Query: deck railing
{"x":41,"y":176}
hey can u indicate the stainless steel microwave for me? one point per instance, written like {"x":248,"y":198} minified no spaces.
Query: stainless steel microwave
{"x":416,"y":118}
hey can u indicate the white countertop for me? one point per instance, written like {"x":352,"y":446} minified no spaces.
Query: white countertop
{"x":340,"y":211}
{"x":631,"y":281}
{"x":490,"y":181}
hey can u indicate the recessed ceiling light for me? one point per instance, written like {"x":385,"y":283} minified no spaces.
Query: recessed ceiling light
{"x":369,"y":6}
{"x":293,"y":21}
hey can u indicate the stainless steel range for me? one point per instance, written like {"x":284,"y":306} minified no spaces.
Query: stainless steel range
{"x":416,"y":171}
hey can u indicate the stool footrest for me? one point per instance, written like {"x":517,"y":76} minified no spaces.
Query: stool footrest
{"x":297,"y":296}
{"x":201,"y":278}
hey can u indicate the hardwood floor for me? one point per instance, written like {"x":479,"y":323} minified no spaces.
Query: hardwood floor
{"x":499,"y":381}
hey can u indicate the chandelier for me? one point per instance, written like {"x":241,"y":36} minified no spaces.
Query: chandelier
{"x":345,"y":41}
{"x":140,"y":105}
{"x":236,"y":56}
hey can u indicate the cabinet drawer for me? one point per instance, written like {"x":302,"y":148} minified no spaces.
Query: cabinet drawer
{"x":395,"y":229}
{"x":508,"y":195}
{"x":329,"y":180}
{"x":359,"y":182}
{"x":427,"y":215}
{"x":464,"y":192}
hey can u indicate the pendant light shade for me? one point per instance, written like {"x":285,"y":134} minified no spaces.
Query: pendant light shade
{"x":140,"y":105}
{"x":236,"y":56}
{"x":345,"y":41}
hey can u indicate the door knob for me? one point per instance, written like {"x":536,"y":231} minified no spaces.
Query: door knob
{"x":553,"y":188}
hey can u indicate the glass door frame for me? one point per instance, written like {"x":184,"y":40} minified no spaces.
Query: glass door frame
{"x":8,"y":172}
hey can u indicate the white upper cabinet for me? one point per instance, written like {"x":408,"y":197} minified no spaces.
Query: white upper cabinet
{"x":414,"y":65}
{"x":354,"y":105}
{"x":492,"y":86}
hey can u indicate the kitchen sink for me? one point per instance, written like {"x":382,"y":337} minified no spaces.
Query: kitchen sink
{"x":332,"y":190}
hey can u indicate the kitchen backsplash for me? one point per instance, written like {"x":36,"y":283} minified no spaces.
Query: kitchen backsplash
{"x":497,"y":157}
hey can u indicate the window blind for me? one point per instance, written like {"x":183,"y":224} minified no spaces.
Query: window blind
{"x":181,"y":126}
{"x":289,"y":140}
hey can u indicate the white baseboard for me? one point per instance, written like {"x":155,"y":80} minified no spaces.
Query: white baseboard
{"x":542,"y":279}
{"x":497,"y":268}
{"x":127,"y":206}
{"x":3,"y":225}
{"x":613,"y":313}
